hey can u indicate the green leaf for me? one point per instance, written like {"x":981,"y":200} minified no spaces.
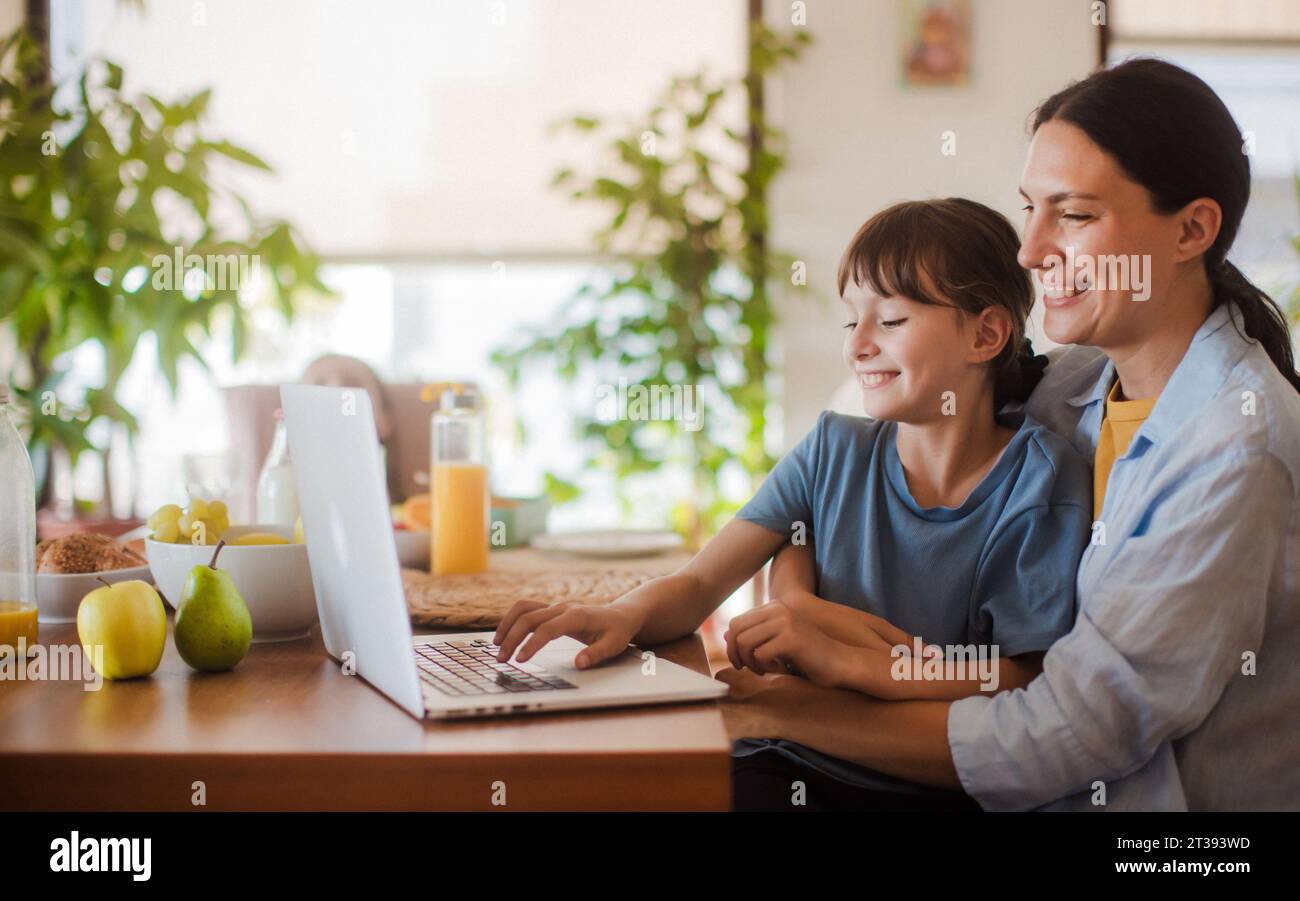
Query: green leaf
{"x":18,"y":247}
{"x":239,"y":154}
{"x":559,"y":491}
{"x":192,"y":109}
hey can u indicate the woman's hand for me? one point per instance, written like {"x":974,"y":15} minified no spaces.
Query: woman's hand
{"x":606,"y":631}
{"x":775,"y":638}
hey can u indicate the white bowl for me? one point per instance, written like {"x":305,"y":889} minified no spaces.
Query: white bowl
{"x":58,"y":595}
{"x":274,"y":579}
{"x":412,"y":548}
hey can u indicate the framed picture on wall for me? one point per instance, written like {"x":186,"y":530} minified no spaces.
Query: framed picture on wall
{"x":935,"y":42}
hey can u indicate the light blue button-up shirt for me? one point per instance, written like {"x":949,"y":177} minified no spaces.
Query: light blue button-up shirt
{"x":1179,"y":686}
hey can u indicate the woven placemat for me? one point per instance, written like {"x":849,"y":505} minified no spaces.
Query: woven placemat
{"x":479,"y":601}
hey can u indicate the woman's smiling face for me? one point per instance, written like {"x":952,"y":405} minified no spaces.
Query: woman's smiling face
{"x":1080,"y":204}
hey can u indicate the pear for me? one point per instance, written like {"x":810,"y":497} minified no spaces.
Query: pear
{"x":213,"y":628}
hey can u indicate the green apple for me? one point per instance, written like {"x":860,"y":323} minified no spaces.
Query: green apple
{"x":213,"y":628}
{"x":127,"y":622}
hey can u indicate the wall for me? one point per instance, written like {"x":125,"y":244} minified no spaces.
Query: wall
{"x":12,"y":13}
{"x":413,"y":128}
{"x":858,"y":141}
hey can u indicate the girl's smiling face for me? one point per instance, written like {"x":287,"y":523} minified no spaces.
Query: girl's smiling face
{"x":906,"y":353}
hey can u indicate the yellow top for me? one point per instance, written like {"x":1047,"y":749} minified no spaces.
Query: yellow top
{"x":1122,"y":420}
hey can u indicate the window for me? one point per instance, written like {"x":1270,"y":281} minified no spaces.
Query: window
{"x":410,"y":128}
{"x":411,"y":146}
{"x":1253,"y":62}
{"x":410,"y":322}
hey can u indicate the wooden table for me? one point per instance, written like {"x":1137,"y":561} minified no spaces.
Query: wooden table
{"x":286,"y":730}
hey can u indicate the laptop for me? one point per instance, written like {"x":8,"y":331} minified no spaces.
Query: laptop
{"x":343,"y":499}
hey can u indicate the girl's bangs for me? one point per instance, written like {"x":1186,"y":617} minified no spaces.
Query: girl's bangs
{"x":891,"y":256}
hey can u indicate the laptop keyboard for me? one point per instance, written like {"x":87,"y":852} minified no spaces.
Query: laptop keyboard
{"x":469,"y":667}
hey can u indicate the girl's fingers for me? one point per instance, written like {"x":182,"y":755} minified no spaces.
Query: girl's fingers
{"x":749,"y":618}
{"x":518,"y":609}
{"x":739,"y":624}
{"x":733,"y":652}
{"x":891,"y":633}
{"x":525,"y":624}
{"x":754,"y":636}
{"x":870,"y":638}
{"x":567,"y":622}
{"x":768,"y":654}
{"x":607,"y":645}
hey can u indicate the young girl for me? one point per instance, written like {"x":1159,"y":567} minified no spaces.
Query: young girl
{"x":935,"y":519}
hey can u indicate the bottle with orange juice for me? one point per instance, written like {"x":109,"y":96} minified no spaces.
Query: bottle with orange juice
{"x":459,"y":484}
{"x":18,"y":613}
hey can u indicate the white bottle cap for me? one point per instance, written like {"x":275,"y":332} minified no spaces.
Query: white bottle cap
{"x":459,"y":396}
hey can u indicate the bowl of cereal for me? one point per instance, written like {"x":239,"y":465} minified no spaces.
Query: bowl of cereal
{"x":70,"y":567}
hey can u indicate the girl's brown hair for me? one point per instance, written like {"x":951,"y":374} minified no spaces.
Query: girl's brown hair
{"x":954,"y":253}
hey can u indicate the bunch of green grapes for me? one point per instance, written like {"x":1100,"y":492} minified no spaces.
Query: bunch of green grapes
{"x":203,"y":522}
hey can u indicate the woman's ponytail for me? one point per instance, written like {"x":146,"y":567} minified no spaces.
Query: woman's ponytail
{"x":1018,"y":378}
{"x":1262,"y":318}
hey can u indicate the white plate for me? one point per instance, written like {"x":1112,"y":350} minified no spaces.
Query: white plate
{"x":58,"y":595}
{"x":609,"y":543}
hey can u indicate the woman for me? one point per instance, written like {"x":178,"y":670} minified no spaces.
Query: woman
{"x":1179,"y":685}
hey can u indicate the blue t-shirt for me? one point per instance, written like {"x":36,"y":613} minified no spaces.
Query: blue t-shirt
{"x":998,"y":570}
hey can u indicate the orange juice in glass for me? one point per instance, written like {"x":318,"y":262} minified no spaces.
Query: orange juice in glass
{"x":18,"y":612}
{"x":461,"y":500}
{"x":18,"y":619}
{"x":460,"y":517}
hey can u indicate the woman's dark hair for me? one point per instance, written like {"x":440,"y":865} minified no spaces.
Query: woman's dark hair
{"x":952,"y":253}
{"x":1172,"y":134}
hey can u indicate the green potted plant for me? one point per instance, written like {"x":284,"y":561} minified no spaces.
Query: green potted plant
{"x":696,"y":311}
{"x":86,"y":255}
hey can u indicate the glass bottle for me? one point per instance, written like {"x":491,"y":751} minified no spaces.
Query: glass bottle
{"x":277,"y":491}
{"x":18,"y":610}
{"x":459,"y":484}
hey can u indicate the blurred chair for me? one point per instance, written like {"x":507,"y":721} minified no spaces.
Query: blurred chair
{"x":402,"y":421}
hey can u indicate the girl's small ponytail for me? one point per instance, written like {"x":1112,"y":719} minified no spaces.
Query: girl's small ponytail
{"x":1020,"y":376}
